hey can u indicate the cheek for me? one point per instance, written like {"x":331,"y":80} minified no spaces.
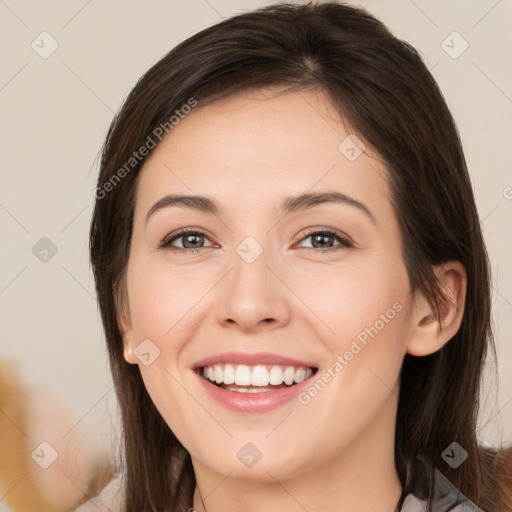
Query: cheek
{"x":347,"y":303}
{"x":361,"y":318}
{"x":163,"y":301}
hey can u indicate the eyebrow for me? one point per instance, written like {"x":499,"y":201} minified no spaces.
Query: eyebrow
{"x":290,"y":203}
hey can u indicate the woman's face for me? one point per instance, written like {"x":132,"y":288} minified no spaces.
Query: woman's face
{"x":261,"y":291}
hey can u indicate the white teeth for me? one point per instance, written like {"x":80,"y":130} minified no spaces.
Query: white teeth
{"x":242,"y":375}
{"x":289,"y":375}
{"x":276,"y":376}
{"x":259,"y":376}
{"x":300,"y":375}
{"x":229,"y":374}
{"x":218,"y":373}
{"x":248,"y":390}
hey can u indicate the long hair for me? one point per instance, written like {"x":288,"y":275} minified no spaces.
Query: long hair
{"x":381,"y":86}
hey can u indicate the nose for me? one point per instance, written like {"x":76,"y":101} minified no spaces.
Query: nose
{"x":253,"y":296}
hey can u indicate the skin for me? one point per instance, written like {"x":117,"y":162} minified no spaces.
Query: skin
{"x":247,"y":152}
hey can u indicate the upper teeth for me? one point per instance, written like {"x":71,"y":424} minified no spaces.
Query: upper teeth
{"x":259,"y":375}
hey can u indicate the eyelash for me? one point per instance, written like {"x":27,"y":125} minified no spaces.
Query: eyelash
{"x":345,"y":243}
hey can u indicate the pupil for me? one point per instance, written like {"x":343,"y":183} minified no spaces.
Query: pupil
{"x":187,"y":239}
{"x":319,"y":237}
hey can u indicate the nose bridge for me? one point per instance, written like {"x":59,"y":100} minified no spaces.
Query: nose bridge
{"x":252,"y":295}
{"x":250,"y":275}
{"x":254,"y":250}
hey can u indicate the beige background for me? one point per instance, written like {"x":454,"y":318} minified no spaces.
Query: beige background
{"x":55,"y":112}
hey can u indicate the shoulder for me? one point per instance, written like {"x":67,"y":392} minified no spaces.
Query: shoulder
{"x":449,"y":495}
{"x":109,"y":500}
{"x":413,"y":504}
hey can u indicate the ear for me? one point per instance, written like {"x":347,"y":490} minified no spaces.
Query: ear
{"x":429,"y":331}
{"x":124,"y":323}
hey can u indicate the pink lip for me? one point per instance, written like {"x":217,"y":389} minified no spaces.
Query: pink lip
{"x":266,"y":358}
{"x":253,"y":402}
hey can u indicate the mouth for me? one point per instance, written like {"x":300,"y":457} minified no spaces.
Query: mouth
{"x":259,"y":378}
{"x":253,"y":382}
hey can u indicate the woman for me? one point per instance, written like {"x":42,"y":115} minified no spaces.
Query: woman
{"x":292,"y":277}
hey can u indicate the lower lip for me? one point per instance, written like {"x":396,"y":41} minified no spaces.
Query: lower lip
{"x":253,"y":402}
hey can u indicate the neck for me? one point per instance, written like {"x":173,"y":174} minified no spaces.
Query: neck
{"x":363,"y":477}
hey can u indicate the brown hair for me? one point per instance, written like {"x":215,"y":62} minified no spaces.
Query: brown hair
{"x":383,"y":89}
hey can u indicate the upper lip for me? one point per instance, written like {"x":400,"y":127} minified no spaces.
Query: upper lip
{"x":263,"y":358}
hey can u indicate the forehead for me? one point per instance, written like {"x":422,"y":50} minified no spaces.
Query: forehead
{"x":259,"y":146}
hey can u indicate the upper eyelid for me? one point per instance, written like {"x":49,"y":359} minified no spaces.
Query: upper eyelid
{"x":345,"y":239}
{"x":312,"y":231}
{"x":183,"y":232}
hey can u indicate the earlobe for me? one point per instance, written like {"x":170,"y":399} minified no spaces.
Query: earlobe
{"x":126,"y":330}
{"x":128,"y":355}
{"x":430,"y":329}
{"x":128,"y":342}
{"x":124,"y":323}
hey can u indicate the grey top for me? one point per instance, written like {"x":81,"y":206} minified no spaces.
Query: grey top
{"x":448,"y":498}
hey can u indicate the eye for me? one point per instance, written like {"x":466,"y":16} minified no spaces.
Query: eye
{"x":191,"y":239}
{"x":325,"y":238}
